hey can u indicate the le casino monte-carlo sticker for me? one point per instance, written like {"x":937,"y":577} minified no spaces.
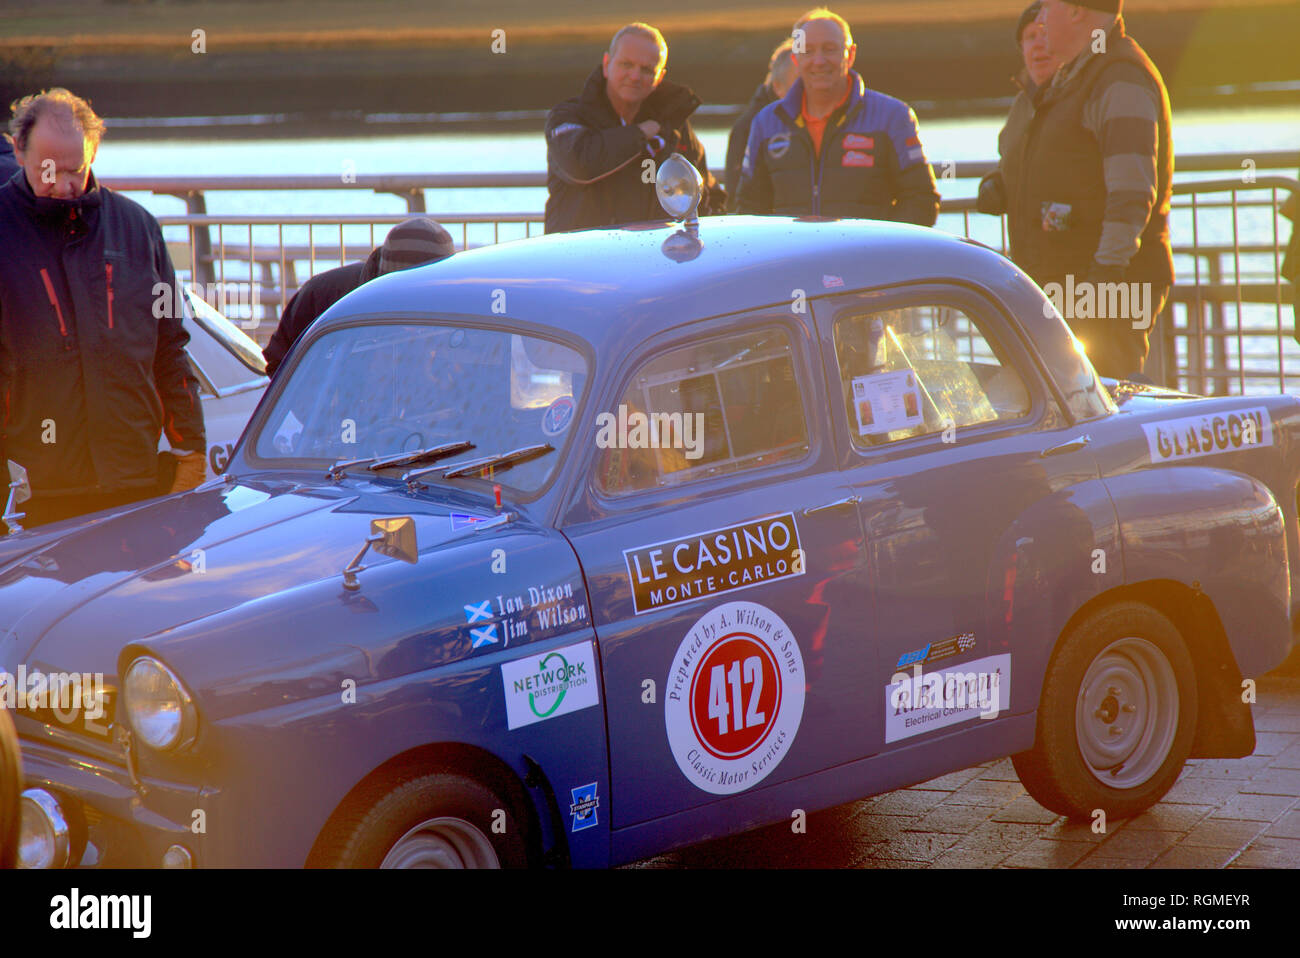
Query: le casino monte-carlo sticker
{"x":674,"y":571}
{"x":735,"y":696}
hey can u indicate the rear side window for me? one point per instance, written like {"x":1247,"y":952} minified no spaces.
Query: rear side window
{"x":921,"y":369}
{"x":719,"y":406}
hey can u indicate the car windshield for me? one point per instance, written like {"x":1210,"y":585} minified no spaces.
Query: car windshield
{"x":381,"y":390}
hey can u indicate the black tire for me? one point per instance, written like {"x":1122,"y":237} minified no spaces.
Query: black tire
{"x":366,"y":834}
{"x":11,"y":789}
{"x":1056,"y":771}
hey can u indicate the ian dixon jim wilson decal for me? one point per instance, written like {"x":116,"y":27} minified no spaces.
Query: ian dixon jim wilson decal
{"x":734,"y":697}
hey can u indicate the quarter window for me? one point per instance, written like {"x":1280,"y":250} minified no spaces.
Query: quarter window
{"x":921,"y":369}
{"x":708,"y":408}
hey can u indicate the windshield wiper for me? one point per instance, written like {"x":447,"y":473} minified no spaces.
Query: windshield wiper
{"x":343,"y":465}
{"x":502,"y":460}
{"x":431,"y":454}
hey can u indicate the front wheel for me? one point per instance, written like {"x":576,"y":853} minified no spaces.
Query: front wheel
{"x":1116,"y":718}
{"x":439,"y":820}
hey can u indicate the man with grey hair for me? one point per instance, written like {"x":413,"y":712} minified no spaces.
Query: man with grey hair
{"x":604,"y":146}
{"x":832,"y":147}
{"x":780,"y":77}
{"x":90,"y":373}
{"x":1089,"y":189}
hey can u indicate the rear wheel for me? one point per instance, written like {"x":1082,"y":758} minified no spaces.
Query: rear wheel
{"x":1116,"y":718}
{"x":438,"y":820}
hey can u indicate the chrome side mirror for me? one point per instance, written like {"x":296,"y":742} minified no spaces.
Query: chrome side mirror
{"x":393,"y":537}
{"x":19,"y":492}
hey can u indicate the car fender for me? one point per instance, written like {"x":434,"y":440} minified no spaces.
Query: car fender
{"x":1220,"y":533}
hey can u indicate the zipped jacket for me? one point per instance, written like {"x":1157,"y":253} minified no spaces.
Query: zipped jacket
{"x":871,"y":165}
{"x":599,"y":171}
{"x":92,"y":357}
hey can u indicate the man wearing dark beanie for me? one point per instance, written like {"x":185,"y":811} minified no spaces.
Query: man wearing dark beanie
{"x":412,"y":242}
{"x":1089,"y":216}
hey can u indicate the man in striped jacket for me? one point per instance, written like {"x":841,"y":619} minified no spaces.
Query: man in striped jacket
{"x":1089,"y":211}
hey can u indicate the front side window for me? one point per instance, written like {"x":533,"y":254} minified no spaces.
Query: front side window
{"x":384,"y":389}
{"x":719,"y":406}
{"x":921,"y":369}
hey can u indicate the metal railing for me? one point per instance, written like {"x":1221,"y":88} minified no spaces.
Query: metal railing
{"x":1226,"y":328}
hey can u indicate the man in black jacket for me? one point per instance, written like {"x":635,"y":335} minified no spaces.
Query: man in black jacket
{"x":780,"y":77}
{"x":90,"y":373}
{"x":410,"y":243}
{"x":604,"y":146}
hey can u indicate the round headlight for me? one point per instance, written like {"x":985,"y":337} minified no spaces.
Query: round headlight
{"x":43,"y":835}
{"x":160,"y":711}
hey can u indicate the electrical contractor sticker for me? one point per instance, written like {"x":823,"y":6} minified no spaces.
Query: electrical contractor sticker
{"x":735,"y":697}
{"x":1208,"y":435}
{"x":924,"y":701}
{"x":547,"y":685}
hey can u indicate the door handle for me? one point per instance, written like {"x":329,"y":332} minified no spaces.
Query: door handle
{"x":837,"y":504}
{"x":1070,"y":445}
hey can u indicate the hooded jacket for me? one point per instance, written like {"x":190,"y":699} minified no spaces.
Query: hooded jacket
{"x":871,"y":165}
{"x":314,"y":297}
{"x":595,"y":164}
{"x":92,"y":357}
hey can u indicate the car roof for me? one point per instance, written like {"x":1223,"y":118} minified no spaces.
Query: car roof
{"x":612,"y":286}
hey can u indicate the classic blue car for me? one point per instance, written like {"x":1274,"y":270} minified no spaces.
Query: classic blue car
{"x":573,"y":550}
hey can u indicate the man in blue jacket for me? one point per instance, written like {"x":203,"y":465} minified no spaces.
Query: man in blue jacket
{"x":830,"y":146}
{"x":90,"y":374}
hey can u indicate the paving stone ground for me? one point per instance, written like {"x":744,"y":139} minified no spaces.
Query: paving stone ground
{"x":1222,"y":813}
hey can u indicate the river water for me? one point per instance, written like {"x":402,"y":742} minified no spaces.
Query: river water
{"x":205,"y":152}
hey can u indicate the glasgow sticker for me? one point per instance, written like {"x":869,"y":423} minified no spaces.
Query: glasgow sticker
{"x":735,"y":697}
{"x":1208,"y":435}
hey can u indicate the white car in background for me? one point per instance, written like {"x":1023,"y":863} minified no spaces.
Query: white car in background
{"x":232,"y":378}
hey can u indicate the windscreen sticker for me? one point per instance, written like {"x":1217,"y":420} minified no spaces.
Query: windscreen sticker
{"x":735,"y":697}
{"x":885,"y":402}
{"x":1209,"y":435}
{"x":917,"y":701}
{"x":546,"y":685}
{"x":557,"y":417}
{"x":674,"y":571}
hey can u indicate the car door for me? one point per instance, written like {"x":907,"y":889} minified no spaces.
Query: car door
{"x":725,"y":571}
{"x":964,"y":464}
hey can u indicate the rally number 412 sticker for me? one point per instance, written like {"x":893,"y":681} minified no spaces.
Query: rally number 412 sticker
{"x":735,"y":697}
